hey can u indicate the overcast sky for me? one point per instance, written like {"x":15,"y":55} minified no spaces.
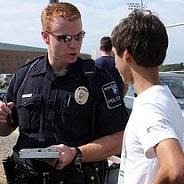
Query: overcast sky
{"x":20,"y":22}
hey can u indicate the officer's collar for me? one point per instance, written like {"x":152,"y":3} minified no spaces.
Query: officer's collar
{"x":61,"y":73}
{"x":41,"y":66}
{"x":74,"y":70}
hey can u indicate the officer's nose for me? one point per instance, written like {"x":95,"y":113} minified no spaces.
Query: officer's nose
{"x":73,"y":44}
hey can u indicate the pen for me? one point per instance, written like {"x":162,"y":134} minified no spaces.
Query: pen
{"x":68,"y":101}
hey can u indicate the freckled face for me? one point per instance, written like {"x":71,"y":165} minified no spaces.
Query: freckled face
{"x":63,"y":53}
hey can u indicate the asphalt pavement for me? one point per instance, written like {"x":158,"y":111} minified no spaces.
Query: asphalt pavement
{"x":6,"y":144}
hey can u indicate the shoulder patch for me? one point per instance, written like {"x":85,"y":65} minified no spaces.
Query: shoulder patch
{"x":111,"y":95}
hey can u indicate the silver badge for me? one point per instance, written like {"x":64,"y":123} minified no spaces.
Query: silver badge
{"x":81,"y":95}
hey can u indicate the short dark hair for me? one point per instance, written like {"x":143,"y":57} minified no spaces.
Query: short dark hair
{"x":106,"y":44}
{"x":144,"y":36}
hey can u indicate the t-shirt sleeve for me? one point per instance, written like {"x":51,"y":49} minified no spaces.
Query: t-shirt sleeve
{"x":154,"y":129}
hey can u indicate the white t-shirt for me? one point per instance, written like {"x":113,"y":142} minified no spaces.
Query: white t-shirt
{"x":156,"y":116}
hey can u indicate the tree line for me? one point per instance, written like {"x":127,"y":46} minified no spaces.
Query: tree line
{"x":171,"y":67}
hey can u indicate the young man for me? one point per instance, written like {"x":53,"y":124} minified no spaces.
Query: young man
{"x":153,"y":139}
{"x":55,"y":102}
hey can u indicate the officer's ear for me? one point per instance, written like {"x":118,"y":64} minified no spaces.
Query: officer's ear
{"x":45,"y":37}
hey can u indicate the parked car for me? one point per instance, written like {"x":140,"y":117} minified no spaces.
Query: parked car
{"x":174,"y":81}
{"x":5,"y":79}
{"x":178,"y":72}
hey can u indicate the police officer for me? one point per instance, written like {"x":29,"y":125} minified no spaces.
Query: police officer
{"x":62,"y":101}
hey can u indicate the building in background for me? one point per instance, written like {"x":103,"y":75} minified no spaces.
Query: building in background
{"x":12,"y":56}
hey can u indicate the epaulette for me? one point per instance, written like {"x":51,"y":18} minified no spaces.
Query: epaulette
{"x":29,"y":62}
{"x":89,"y":67}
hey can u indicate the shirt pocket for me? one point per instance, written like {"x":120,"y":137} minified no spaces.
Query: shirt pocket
{"x":75,"y":118}
{"x":29,"y":111}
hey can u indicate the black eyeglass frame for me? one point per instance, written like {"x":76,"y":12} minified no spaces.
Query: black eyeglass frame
{"x":68,"y":38}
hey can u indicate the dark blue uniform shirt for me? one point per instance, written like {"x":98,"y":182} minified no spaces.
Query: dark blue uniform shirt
{"x":47,"y":112}
{"x":108,"y":63}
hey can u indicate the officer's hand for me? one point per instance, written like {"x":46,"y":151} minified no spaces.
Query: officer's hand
{"x":5,"y":109}
{"x":66,"y":155}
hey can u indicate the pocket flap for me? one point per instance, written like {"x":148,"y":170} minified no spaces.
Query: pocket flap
{"x":34,"y":100}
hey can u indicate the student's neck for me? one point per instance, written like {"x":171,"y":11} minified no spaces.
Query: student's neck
{"x":146,"y":78}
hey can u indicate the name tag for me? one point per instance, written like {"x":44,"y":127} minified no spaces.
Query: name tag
{"x":27,"y":95}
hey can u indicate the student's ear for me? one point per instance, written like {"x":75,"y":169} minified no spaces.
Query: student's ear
{"x":127,"y":55}
{"x":45,"y":37}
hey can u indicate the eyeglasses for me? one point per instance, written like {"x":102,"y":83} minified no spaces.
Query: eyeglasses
{"x":68,"y":38}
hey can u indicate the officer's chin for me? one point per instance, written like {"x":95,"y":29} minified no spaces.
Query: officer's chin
{"x":73,"y":58}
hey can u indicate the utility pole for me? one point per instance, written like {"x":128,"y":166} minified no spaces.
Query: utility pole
{"x":141,"y":4}
{"x":133,"y":6}
{"x":54,"y":1}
